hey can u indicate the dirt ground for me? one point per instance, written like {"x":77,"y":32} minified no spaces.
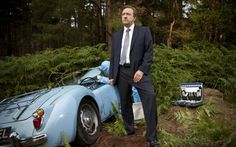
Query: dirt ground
{"x":226,"y":113}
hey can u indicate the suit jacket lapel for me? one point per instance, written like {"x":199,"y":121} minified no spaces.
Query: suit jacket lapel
{"x":120,"y":35}
{"x":135,"y":34}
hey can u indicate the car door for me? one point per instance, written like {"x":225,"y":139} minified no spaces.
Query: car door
{"x":108,"y":95}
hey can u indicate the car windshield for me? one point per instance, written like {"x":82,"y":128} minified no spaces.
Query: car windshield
{"x":92,"y":73}
{"x":75,"y":77}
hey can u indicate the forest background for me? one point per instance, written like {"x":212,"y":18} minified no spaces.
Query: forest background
{"x":194,"y":40}
{"x":27,"y":26}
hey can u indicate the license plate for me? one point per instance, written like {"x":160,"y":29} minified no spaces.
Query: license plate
{"x":4,"y":133}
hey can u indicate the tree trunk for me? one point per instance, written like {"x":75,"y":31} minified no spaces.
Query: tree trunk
{"x":108,"y":24}
{"x":169,"y":39}
{"x":99,"y":22}
{"x":9,"y":39}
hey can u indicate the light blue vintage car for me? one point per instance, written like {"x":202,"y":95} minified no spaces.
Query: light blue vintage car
{"x":47,"y":117}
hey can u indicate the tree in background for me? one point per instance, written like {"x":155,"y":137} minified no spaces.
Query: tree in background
{"x":59,"y":23}
{"x":166,"y":20}
{"x":15,"y":28}
{"x":214,"y":20}
{"x":27,"y":26}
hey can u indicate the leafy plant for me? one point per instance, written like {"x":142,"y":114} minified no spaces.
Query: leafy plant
{"x":170,"y":140}
{"x":34,"y":71}
{"x":201,"y":129}
{"x":65,"y":139}
{"x":116,"y":128}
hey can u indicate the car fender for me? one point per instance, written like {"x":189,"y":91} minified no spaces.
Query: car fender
{"x":62,"y":122}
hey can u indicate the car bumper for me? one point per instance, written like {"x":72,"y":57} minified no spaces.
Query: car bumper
{"x":15,"y":140}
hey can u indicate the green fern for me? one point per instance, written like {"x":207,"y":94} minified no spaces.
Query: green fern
{"x":65,"y":139}
{"x":116,"y":128}
{"x":31,"y":72}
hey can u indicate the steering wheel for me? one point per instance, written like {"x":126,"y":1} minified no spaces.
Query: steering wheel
{"x":90,"y":82}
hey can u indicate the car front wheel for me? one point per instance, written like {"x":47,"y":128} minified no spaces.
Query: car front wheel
{"x":88,"y":123}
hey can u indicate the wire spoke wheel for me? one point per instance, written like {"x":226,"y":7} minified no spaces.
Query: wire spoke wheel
{"x":89,"y":119}
{"x":88,"y":123}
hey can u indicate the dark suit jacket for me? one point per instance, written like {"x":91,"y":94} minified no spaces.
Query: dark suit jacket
{"x":141,"y":51}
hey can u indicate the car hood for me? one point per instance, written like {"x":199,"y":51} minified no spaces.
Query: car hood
{"x":23,"y":106}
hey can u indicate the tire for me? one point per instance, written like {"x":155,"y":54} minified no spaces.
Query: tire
{"x":88,"y":123}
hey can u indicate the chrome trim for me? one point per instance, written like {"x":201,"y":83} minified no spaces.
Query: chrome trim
{"x":34,"y":140}
{"x":15,"y":140}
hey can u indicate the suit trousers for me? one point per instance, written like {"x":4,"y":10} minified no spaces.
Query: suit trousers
{"x":148,"y":98}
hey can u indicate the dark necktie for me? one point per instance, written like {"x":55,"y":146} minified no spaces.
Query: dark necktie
{"x":125,"y":48}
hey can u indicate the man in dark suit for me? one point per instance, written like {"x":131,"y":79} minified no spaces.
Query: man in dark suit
{"x":131,"y":59}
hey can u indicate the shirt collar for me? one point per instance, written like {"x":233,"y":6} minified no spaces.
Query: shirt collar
{"x":131,"y":27}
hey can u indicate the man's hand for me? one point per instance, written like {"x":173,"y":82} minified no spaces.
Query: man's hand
{"x":111,"y":81}
{"x":138,"y":76}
